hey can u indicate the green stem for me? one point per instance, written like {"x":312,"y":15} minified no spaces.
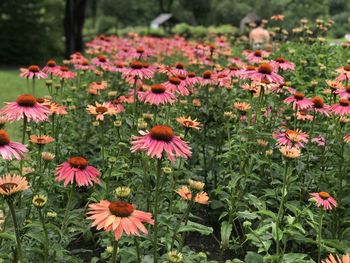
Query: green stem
{"x":187,"y":214}
{"x":17,"y":231}
{"x":46,"y":245}
{"x":115,"y":251}
{"x":319,"y":238}
{"x":155,"y":214}
{"x":137,"y":250}
{"x":70,"y":197}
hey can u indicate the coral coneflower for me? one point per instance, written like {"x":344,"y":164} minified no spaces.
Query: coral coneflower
{"x":41,"y":139}
{"x":176,"y":85}
{"x":189,"y":123}
{"x":101,"y":85}
{"x":331,"y":259}
{"x":25,"y":106}
{"x":33,"y":71}
{"x":119,"y":217}
{"x":11,"y":184}
{"x":291,"y":138}
{"x":290,"y":152}
{"x":100,"y":110}
{"x":319,"y":106}
{"x":137,"y":70}
{"x":10,"y":149}
{"x":186,"y":194}
{"x":342,"y":108}
{"x":323,"y":199}
{"x":64,"y":73}
{"x":158,"y":94}
{"x":100,"y":60}
{"x":344,"y":93}
{"x":344,"y":73}
{"x":161,"y":139}
{"x":77,"y":169}
{"x":298,"y":100}
{"x":51,"y":67}
{"x":283,"y":64}
{"x":242,"y":107}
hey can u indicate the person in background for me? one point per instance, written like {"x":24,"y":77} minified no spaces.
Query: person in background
{"x":258,"y":36}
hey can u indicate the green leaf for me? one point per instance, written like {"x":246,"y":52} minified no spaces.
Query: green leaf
{"x":195,"y":227}
{"x":226,"y":229}
{"x":253,"y":257}
{"x":8,"y":236}
{"x":268,"y":213}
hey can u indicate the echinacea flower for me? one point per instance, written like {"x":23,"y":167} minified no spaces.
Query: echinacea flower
{"x":346,"y":138}
{"x":161,"y":139}
{"x":158,"y":94}
{"x":265,"y":71}
{"x":331,"y":259}
{"x":9,"y":149}
{"x":186,"y":194}
{"x":208,"y":78}
{"x":77,"y":169}
{"x":64,"y":73}
{"x":12,"y":183}
{"x":323,"y":199}
{"x":344,"y":73}
{"x":298,"y":100}
{"x":119,"y":217}
{"x":41,"y":139}
{"x":283,"y":64}
{"x":256,"y":56}
{"x":100,"y":60}
{"x":100,"y":110}
{"x":39,"y":200}
{"x":319,"y":106}
{"x":319,"y":140}
{"x":344,"y":93}
{"x":290,"y":152}
{"x":291,"y":138}
{"x":137,"y":70}
{"x":189,"y":123}
{"x":242,"y":107}
{"x":33,"y":71}
{"x":51,"y":67}
{"x":176,"y":85}
{"x":342,"y":108}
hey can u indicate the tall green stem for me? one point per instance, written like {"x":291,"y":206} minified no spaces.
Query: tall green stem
{"x":115,"y":251}
{"x":155,"y":214}
{"x":46,"y":245}
{"x":137,"y":250}
{"x":70,"y":197}
{"x":319,"y":237}
{"x":17,"y":231}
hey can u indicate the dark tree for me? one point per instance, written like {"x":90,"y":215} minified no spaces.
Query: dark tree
{"x":74,"y":18}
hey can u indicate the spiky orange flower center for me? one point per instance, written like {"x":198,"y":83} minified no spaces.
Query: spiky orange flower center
{"x":188,"y":123}
{"x":64,"y":69}
{"x":4,"y":138}
{"x":145,"y":65}
{"x":233,"y":68}
{"x":299,"y":96}
{"x":102,"y":58}
{"x":324,"y":195}
{"x":257,"y":53}
{"x":78,"y":162}
{"x":136,"y":64}
{"x":179,"y":66}
{"x":346,"y":68}
{"x":85,"y":63}
{"x":265,"y":68}
{"x":293,"y":135}
{"x":101,"y":109}
{"x":347,"y":88}
{"x":191,"y":74}
{"x":182,"y":76}
{"x":344,"y":102}
{"x":118,"y":65}
{"x":34,"y":68}
{"x":207,"y":74}
{"x":51,"y":63}
{"x":158,"y":88}
{"x":26,"y":100}
{"x":162,"y":133}
{"x":140,"y":50}
{"x":250,"y":67}
{"x":121,"y":208}
{"x":8,"y":186}
{"x":174,"y":80}
{"x":318,"y":102}
{"x":280,"y":60}
{"x":265,"y":81}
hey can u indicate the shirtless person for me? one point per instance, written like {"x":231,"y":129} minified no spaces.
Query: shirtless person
{"x":258,"y":36}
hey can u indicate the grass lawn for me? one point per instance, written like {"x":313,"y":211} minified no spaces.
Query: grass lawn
{"x":11,"y":85}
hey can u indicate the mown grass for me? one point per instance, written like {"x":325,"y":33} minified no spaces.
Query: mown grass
{"x":11,"y":85}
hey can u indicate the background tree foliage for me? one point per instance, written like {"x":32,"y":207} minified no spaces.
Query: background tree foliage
{"x":32,"y":30}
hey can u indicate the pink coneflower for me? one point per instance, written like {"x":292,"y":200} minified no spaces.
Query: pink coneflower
{"x":56,"y":108}
{"x":257,"y":56}
{"x":9,"y":149}
{"x":100,"y":85}
{"x":283,"y":64}
{"x":319,"y":106}
{"x":31,"y":72}
{"x":77,"y":169}
{"x":319,"y":140}
{"x":342,"y":108}
{"x":344,"y":73}
{"x":64,"y":73}
{"x":265,"y":71}
{"x":344,"y":93}
{"x":192,"y":79}
{"x":304,"y":116}
{"x":174,"y":84}
{"x":157,"y":95}
{"x":291,"y":138}
{"x":347,"y":138}
{"x":323,"y":199}
{"x":119,"y":217}
{"x":77,"y":58}
{"x":208,"y":78}
{"x":51,"y":67}
{"x":137,"y":70}
{"x":161,"y":138}
{"x":186,"y":194}
{"x":253,"y":88}
{"x":100,"y":110}
{"x":84,"y":65}
{"x":299,"y":101}
{"x":25,"y":106}
{"x":179,"y":69}
{"x":100,"y":60}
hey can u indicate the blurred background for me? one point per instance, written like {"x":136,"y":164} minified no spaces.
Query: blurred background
{"x":33,"y":31}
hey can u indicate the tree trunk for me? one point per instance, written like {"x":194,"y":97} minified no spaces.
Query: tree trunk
{"x":74,"y":18}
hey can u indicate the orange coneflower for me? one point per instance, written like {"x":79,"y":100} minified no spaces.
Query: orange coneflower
{"x":11,"y":184}
{"x":189,"y":123}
